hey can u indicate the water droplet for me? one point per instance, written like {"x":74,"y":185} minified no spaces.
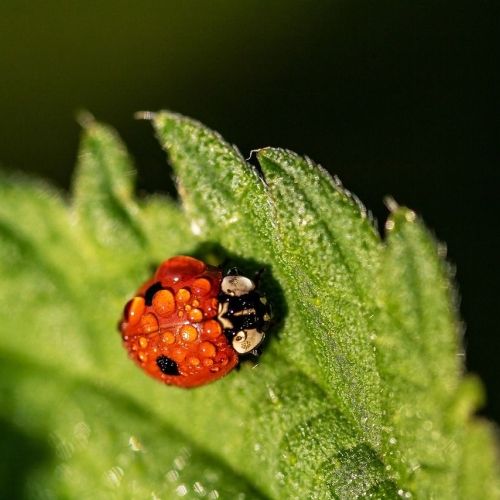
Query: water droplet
{"x":211,"y":476}
{"x":280,"y":476}
{"x":404,"y":494}
{"x":410,"y":216}
{"x":427,"y":425}
{"x":114,"y":476}
{"x":181,"y":460}
{"x":172,"y":476}
{"x":272,"y":395}
{"x":81,"y":432}
{"x":199,"y":489}
{"x":181,"y":490}
{"x":135,"y":444}
{"x":389,"y":225}
{"x":195,"y":228}
{"x":64,"y":448}
{"x":64,"y":472}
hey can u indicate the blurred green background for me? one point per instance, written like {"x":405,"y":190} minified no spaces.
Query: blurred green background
{"x":393,"y":97}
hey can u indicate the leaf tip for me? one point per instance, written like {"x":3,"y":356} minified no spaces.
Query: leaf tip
{"x":165,"y":122}
{"x":91,"y":127}
{"x":85,"y":118}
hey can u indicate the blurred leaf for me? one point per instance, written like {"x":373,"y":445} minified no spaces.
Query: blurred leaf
{"x":478,"y":476}
{"x":103,"y":189}
{"x":418,"y":359}
{"x":359,"y":392}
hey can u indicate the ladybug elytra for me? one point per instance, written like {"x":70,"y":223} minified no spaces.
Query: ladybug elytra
{"x":189,"y":324}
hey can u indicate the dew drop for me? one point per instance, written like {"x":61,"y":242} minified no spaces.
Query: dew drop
{"x":115,"y":476}
{"x":199,"y":489}
{"x":195,"y":228}
{"x":81,"y":432}
{"x":272,"y":395}
{"x":64,"y":448}
{"x":428,"y":425}
{"x":410,"y":216}
{"x":389,"y":225}
{"x":181,"y":490}
{"x":179,"y":462}
{"x":211,"y":476}
{"x":135,"y":444}
{"x":172,"y":476}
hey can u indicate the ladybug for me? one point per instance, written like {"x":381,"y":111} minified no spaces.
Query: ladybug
{"x":189,"y":324}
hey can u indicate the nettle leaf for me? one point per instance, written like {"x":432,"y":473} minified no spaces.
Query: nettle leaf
{"x":360,"y":390}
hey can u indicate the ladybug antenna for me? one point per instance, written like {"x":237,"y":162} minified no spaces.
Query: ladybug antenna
{"x":233,"y":271}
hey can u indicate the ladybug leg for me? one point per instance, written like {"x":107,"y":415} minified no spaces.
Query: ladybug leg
{"x":257,"y":276}
{"x":252,"y":356}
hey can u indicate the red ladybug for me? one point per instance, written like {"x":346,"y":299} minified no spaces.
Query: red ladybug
{"x":189,"y":324}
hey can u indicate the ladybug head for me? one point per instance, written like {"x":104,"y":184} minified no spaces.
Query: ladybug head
{"x":243,"y":312}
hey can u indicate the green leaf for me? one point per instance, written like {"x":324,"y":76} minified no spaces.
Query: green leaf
{"x":359,"y":392}
{"x":334,"y":268}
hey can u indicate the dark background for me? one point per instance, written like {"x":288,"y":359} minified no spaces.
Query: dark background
{"x":393,"y":97}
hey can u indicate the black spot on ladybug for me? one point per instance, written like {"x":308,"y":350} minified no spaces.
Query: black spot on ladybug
{"x":167,"y":366}
{"x":148,"y":296}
